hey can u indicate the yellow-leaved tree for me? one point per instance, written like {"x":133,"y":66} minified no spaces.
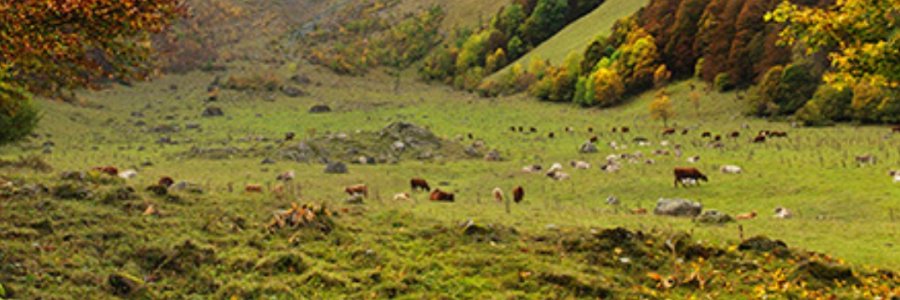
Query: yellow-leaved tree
{"x":661,"y":108}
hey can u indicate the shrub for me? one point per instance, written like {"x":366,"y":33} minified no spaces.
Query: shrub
{"x":608,"y":87}
{"x":827,"y":105}
{"x":18,"y":113}
{"x":723,"y":83}
{"x":254,"y":82}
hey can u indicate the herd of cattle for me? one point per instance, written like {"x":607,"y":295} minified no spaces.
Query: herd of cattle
{"x":684,"y":176}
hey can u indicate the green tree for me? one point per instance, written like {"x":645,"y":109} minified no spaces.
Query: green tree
{"x":548,"y":17}
{"x":18,"y":113}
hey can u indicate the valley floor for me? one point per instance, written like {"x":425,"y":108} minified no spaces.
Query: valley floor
{"x":217,"y":243}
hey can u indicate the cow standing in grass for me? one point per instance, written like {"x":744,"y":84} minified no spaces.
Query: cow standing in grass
{"x":683,"y":175}
{"x":419,"y":183}
{"x":518,"y":194}
{"x":359,"y":189}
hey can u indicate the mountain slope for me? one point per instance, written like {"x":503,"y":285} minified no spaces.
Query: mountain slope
{"x":578,"y":35}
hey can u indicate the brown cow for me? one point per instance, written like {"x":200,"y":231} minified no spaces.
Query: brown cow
{"x":109,"y":170}
{"x":357,"y":190}
{"x":551,"y":135}
{"x":685,"y":132}
{"x":735,"y":134}
{"x":615,"y":130}
{"x":626,"y":129}
{"x":591,"y":129}
{"x":668,"y":131}
{"x":518,"y":194}
{"x":759,"y":139}
{"x":717,"y":138}
{"x":683,"y":174}
{"x":594,"y":139}
{"x":166,"y":181}
{"x":706,"y":134}
{"x":746,"y":216}
{"x":419,"y":183}
{"x":289,"y":136}
{"x":639,"y":211}
{"x":498,"y":194}
{"x":896,"y":129}
{"x":439,"y":195}
{"x":253,"y":188}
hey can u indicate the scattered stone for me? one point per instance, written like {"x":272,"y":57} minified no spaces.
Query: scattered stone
{"x":213,"y":111}
{"x":268,"y":161}
{"x":398,"y":146}
{"x":826,"y":274}
{"x":192,"y":126}
{"x":471,"y":151}
{"x":292,"y":92}
{"x":336,"y":168}
{"x":300,"y":79}
{"x":493,"y":155}
{"x":319,"y":108}
{"x":612,"y":200}
{"x":713,"y":216}
{"x":165,"y":129}
{"x":184,"y":186}
{"x":137,"y":114}
{"x":677,"y":208}
{"x":588,"y":148}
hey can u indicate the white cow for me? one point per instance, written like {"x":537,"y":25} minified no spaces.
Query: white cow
{"x":580,"y":165}
{"x":731,"y":169}
{"x":128,"y":174}
{"x":896,"y":176}
{"x":783,"y":213}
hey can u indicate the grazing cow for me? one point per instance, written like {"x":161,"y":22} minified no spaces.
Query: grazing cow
{"x":551,"y":135}
{"x":512,"y":128}
{"x":763,"y":133}
{"x":731,"y":169}
{"x":470,"y":136}
{"x":533,"y":130}
{"x":717,"y":138}
{"x":611,"y":167}
{"x":594,"y":139}
{"x":401,"y":196}
{"x":289,"y":136}
{"x":581,"y":165}
{"x":518,"y":194}
{"x":569,"y":129}
{"x":896,"y":176}
{"x":685,"y":132}
{"x":558,"y":175}
{"x":253,"y":188}
{"x":521,"y":129}
{"x":692,"y":174}
{"x":498,"y":194}
{"x":661,"y":152}
{"x":706,"y":134}
{"x":591,"y":129}
{"x":746,"y":216}
{"x":650,"y":161}
{"x":108,"y":170}
{"x":166,"y":181}
{"x":626,"y":130}
{"x":693,"y":159}
{"x":556,"y":167}
{"x":439,"y":195}
{"x":532,"y":169}
{"x":639,"y":211}
{"x":668,"y":131}
{"x":359,"y":189}
{"x":286,"y":176}
{"x":419,"y":183}
{"x":867,"y":159}
{"x":759,"y":139}
{"x":128,"y":174}
{"x":615,"y":129}
{"x":783,"y":213}
{"x":735,"y":134}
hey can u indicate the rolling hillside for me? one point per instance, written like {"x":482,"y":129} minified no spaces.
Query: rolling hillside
{"x":578,"y":35}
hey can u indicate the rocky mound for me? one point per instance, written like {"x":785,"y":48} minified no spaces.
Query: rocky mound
{"x":398,"y":141}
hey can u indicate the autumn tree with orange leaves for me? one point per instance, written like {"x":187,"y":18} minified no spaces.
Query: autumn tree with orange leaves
{"x":50,"y":46}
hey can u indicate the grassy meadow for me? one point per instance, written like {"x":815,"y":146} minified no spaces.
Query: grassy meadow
{"x":841,"y":209}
